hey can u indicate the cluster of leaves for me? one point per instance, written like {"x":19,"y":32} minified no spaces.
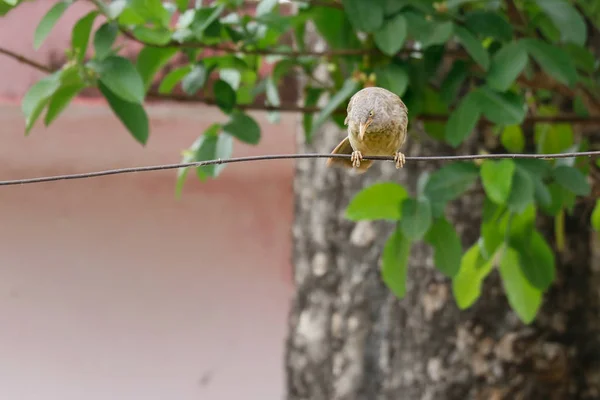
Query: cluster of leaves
{"x":515,"y":191}
{"x":509,"y":58}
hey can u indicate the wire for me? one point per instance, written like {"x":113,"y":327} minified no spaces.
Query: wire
{"x":284,"y":157}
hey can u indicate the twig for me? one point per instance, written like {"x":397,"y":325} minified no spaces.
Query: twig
{"x":26,"y":61}
{"x":591,"y":154}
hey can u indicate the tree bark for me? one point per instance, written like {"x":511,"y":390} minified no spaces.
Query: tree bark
{"x":351,"y":339}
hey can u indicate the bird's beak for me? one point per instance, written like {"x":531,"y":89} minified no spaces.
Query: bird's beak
{"x":362,"y":129}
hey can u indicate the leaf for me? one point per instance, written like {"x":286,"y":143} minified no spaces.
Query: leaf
{"x":554,"y":60}
{"x":523,"y":298}
{"x":596,"y":216}
{"x":48,"y":21}
{"x":151,"y":11}
{"x":473,"y":46}
{"x":104,"y":38}
{"x":497,"y":177}
{"x":122,"y":79}
{"x":195,"y":79}
{"x":566,"y":18}
{"x":392,"y":77}
{"x":265,"y":7}
{"x":451,"y":181}
{"x":466,"y":285}
{"x":231,"y":76}
{"x":224,"y":151}
{"x":150,"y":60}
{"x":463,"y":120}
{"x":489,"y":24}
{"x":512,"y":138}
{"x":348,"y":89}
{"x":272,"y":93}
{"x":205,"y":152}
{"x":364,"y":16}
{"x":447,"y":247}
{"x":173,"y":78}
{"x":582,"y":57}
{"x":80,"y":36}
{"x":507,"y":65}
{"x":158,"y":36}
{"x":416,"y":217}
{"x":553,"y":138}
{"x":224,"y":95}
{"x":132,"y":115}
{"x":394,"y":262}
{"x":60,"y":100}
{"x":572,"y":179}
{"x":522,"y":192}
{"x":37,"y":97}
{"x":453,"y":82}
{"x":391,"y":36}
{"x":501,"y":108}
{"x":243,"y":127}
{"x":311,"y":98}
{"x":334,"y":26}
{"x":536,"y":261}
{"x":378,"y":201}
{"x":437,"y":34}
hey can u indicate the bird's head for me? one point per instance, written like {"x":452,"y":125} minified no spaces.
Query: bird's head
{"x":362,"y":117}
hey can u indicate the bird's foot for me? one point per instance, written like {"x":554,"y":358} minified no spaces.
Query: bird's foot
{"x":356,"y":158}
{"x":399,"y":159}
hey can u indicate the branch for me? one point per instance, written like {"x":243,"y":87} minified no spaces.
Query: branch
{"x":153,"y":95}
{"x":589,"y":154}
{"x":563,"y":118}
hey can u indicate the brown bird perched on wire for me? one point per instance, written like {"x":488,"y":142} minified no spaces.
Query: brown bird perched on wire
{"x":377,"y":121}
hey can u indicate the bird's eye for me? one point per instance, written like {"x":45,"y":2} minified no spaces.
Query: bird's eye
{"x":371,"y":113}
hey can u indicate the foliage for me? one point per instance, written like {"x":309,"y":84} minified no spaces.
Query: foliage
{"x":472,"y":60}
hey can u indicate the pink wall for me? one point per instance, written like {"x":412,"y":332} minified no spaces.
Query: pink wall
{"x":110,"y":288}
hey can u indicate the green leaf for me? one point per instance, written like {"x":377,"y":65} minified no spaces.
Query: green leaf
{"x":582,"y":57}
{"x":416,"y":217}
{"x":379,"y":201}
{"x":173,"y":78}
{"x":536,"y":260}
{"x":466,"y":285}
{"x":554,"y":60}
{"x":596,"y":216}
{"x":553,"y":138}
{"x":159,"y":36}
{"x":132,"y":115}
{"x":231,"y":76}
{"x":501,"y":108}
{"x":195,"y":79}
{"x":566,"y":18}
{"x":392,"y":77}
{"x":497,"y":177}
{"x":80,"y":36}
{"x":104,"y":38}
{"x":272,"y":93}
{"x":453,"y":82}
{"x":463,"y":120}
{"x":512,"y":138}
{"x":348,"y":89}
{"x":364,"y":16}
{"x":120,"y":76}
{"x":205,"y":152}
{"x":437,"y":33}
{"x":60,"y":100}
{"x":447,"y":247}
{"x":150,"y":60}
{"x":265,"y":7}
{"x":451,"y":181}
{"x":225,"y":96}
{"x":489,"y":24}
{"x":473,"y":46}
{"x":507,"y":65}
{"x":151,"y":11}
{"x":37,"y":97}
{"x":243,"y":127}
{"x":394,"y":262}
{"x":48,"y":21}
{"x":333,"y":25}
{"x":182,"y":5}
{"x":522,"y":192}
{"x":311,"y":98}
{"x":523,"y":298}
{"x":572,"y":179}
{"x":391,"y":36}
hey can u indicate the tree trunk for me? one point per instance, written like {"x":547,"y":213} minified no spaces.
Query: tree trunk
{"x":350,"y":338}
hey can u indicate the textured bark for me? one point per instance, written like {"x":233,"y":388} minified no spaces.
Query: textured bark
{"x":350,"y":338}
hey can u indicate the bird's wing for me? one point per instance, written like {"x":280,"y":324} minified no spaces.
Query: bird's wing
{"x":348,"y":109}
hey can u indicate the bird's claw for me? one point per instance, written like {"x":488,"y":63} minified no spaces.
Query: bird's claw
{"x":399,"y":159}
{"x":356,"y":158}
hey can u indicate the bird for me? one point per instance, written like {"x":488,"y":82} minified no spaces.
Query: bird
{"x":377,"y":121}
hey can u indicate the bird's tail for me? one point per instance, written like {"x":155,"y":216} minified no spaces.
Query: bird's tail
{"x":346,"y":148}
